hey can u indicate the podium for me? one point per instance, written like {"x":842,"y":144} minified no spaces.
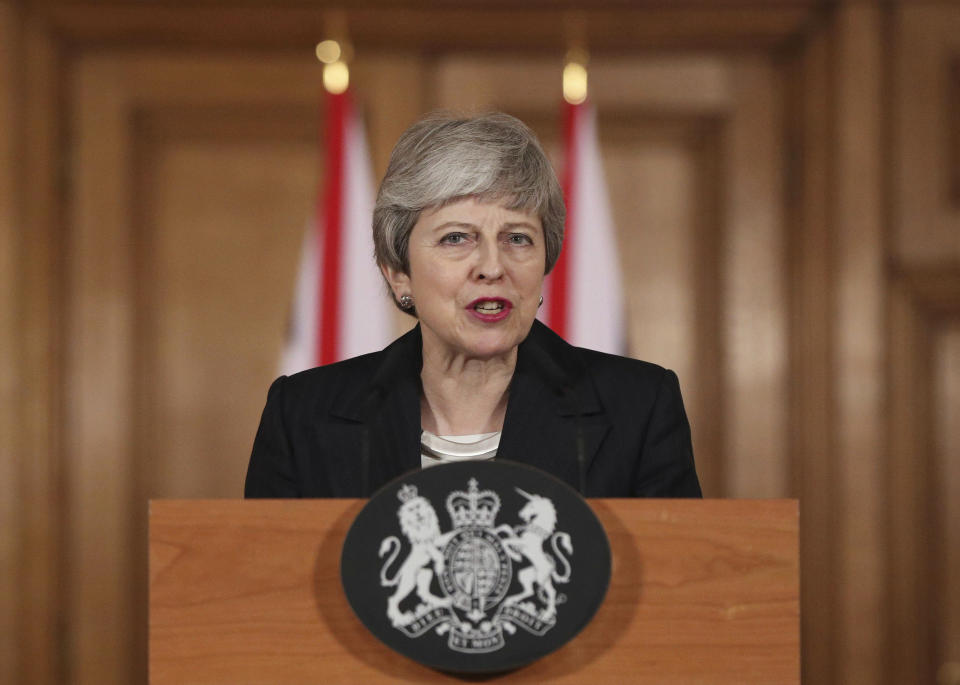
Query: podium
{"x":248,"y":591}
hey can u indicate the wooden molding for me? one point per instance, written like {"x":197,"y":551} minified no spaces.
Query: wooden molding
{"x":543,"y":25}
{"x":41,"y":334}
{"x":926,"y":83}
{"x":922,"y":301}
{"x":953,"y":131}
{"x":11,"y":59}
{"x":934,"y":291}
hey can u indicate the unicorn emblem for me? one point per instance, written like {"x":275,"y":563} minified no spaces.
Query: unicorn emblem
{"x":527,"y":541}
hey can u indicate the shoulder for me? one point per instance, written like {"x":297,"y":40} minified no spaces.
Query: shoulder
{"x":344,"y":387}
{"x":614,"y":368}
{"x":610,"y":374}
{"x":323,"y":390}
{"x":619,"y":379}
{"x":352,"y":374}
{"x":348,"y":371}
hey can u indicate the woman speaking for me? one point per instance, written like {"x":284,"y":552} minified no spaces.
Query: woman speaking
{"x":468,"y":221}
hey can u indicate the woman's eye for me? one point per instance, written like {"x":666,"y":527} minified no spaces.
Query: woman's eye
{"x":519,"y":239}
{"x":454,"y":238}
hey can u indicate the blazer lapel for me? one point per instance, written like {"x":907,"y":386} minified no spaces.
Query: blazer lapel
{"x":554,"y":418}
{"x":387,"y":411}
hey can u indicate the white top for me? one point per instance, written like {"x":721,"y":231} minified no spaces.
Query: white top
{"x":443,"y":449}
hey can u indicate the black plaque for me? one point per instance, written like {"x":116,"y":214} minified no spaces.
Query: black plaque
{"x":476,"y":567}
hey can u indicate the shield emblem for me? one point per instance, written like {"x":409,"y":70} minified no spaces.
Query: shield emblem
{"x":476,"y":567}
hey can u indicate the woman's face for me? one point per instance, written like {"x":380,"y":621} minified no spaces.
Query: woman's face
{"x":476,"y":271}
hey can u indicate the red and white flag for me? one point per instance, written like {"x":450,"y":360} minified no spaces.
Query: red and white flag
{"x":340,"y":306}
{"x":583,"y":295}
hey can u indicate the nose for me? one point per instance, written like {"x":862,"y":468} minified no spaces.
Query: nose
{"x":489,"y":266}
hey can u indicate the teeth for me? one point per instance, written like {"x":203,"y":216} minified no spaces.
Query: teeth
{"x":489,"y":307}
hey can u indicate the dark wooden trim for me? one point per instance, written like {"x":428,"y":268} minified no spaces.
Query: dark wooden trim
{"x":610,"y":26}
{"x":953,"y":133}
{"x":922,"y":301}
{"x":934,"y":290}
{"x":709,"y":347}
{"x":810,"y":131}
{"x":12,"y":241}
{"x":43,"y":490}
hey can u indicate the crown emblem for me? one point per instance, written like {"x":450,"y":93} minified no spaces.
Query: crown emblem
{"x":473,"y":508}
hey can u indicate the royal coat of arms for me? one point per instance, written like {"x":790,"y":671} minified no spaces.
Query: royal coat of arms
{"x":481,"y":579}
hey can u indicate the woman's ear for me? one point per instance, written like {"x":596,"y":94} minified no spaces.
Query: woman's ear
{"x":399,"y":281}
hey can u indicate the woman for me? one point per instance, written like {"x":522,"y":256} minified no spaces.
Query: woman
{"x":468,"y":221}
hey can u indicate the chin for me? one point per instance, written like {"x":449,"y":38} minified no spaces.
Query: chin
{"x":490,"y":349}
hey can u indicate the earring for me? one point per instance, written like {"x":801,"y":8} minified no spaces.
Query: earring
{"x":541,"y":302}
{"x":406,"y":302}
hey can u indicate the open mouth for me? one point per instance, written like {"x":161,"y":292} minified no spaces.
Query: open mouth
{"x":489,"y":306}
{"x":490,"y":309}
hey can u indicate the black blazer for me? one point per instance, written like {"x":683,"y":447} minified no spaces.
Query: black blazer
{"x":346,"y":429}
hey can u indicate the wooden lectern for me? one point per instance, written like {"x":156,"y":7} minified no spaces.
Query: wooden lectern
{"x":703,"y":591}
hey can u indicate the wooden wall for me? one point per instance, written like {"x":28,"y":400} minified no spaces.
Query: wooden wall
{"x":785,"y":176}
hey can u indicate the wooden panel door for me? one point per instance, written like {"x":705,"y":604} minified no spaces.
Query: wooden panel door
{"x":194,"y":179}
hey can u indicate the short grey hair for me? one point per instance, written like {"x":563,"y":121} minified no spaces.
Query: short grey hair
{"x":443,"y":158}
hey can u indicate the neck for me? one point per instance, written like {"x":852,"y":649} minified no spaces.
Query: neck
{"x":464,"y":396}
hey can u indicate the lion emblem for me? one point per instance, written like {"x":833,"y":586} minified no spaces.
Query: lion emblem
{"x":420,"y":525}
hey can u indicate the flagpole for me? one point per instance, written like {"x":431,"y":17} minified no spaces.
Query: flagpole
{"x":583,"y":295}
{"x":559,"y":299}
{"x":340,"y":309}
{"x":330,"y":216}
{"x":574,"y":96}
{"x":336,"y":80}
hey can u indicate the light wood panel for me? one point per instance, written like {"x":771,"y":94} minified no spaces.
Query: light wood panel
{"x":753,"y":284}
{"x":214,"y":285}
{"x":653,"y":178}
{"x":249,"y":591}
{"x":101,"y":414}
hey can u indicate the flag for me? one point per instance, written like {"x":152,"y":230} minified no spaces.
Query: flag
{"x":340,"y":307}
{"x":583,"y":295}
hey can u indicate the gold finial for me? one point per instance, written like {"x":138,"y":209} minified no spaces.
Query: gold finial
{"x":575,"y":76}
{"x":328,"y":51}
{"x":336,"y":74}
